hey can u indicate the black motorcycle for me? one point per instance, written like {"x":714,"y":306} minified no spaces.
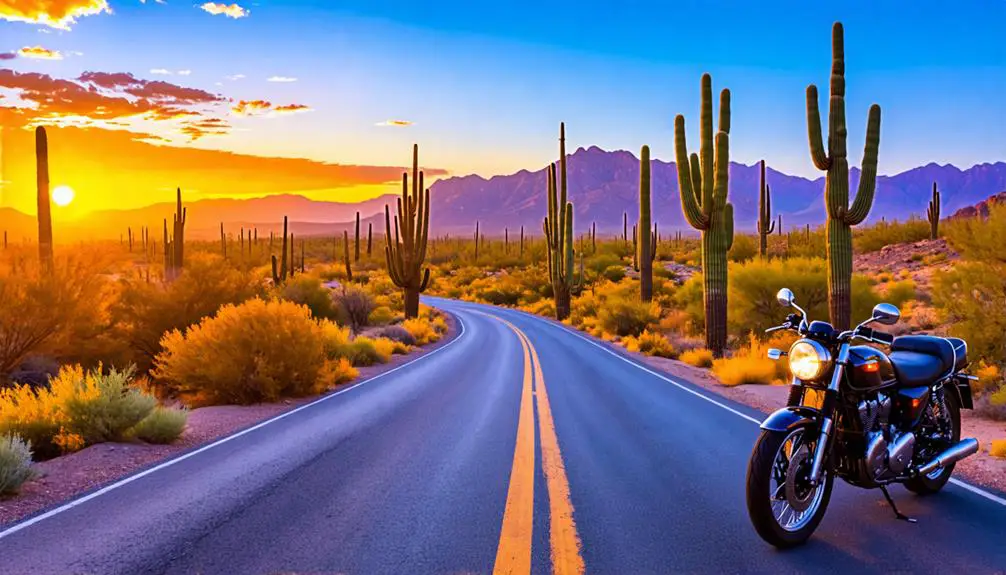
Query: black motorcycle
{"x":857,"y":413}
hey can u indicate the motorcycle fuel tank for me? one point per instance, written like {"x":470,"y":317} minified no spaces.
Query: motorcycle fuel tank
{"x":869,"y":368}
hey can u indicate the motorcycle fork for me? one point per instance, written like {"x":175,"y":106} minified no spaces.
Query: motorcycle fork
{"x":822,"y":448}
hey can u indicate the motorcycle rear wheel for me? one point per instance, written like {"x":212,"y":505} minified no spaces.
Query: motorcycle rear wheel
{"x":765,"y":506}
{"x":934,"y":482}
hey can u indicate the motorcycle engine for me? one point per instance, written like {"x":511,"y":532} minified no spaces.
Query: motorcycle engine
{"x":888,"y":451}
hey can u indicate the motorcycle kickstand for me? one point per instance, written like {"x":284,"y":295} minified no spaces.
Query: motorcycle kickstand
{"x":897,"y":513}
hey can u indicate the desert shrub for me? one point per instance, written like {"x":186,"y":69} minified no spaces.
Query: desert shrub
{"x":382,"y":315}
{"x":750,"y":365}
{"x":15,"y":463}
{"x":599,"y":263}
{"x":338,"y":372}
{"x":388,"y":347}
{"x":145,"y":312}
{"x":422,"y":330}
{"x":162,"y":425}
{"x":101,"y":407}
{"x":355,"y":304}
{"x":972,"y":297}
{"x":439,"y":323}
{"x":998,"y":448}
{"x":48,"y":306}
{"x":307,"y":290}
{"x":363,"y":352}
{"x":257,"y":351}
{"x":35,"y":370}
{"x":744,"y":248}
{"x":650,"y":343}
{"x":883,"y":233}
{"x":987,"y":407}
{"x":699,"y":357}
{"x":989,"y":378}
{"x":335,"y":340}
{"x":626,"y":316}
{"x":33,"y":415}
{"x":614,"y":273}
{"x":395,"y":333}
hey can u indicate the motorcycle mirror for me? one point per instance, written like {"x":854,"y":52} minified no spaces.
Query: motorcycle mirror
{"x":785,"y":297}
{"x":886,"y":314}
{"x":776,"y":353}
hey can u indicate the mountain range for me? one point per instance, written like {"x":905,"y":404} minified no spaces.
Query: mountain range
{"x":602,"y":186}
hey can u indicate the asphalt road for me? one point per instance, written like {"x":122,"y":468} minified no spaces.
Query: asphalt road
{"x":556,"y":454}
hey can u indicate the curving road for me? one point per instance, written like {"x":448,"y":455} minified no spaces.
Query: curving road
{"x":520,"y":446}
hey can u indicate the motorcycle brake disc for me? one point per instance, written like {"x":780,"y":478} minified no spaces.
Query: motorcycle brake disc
{"x":799,"y":500}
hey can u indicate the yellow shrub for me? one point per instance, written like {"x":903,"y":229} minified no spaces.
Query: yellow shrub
{"x":339,"y":371}
{"x":254,"y":352}
{"x":34,"y":416}
{"x":650,"y":343}
{"x":382,"y":315}
{"x":384,"y":346}
{"x":699,"y":357}
{"x":335,"y":339}
{"x":100,"y":406}
{"x":988,"y":378}
{"x":626,"y":316}
{"x":439,"y":324}
{"x":422,"y":330}
{"x":744,"y":370}
{"x":998,"y":448}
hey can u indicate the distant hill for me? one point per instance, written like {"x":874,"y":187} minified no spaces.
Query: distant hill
{"x":982,"y":207}
{"x":603,"y":185}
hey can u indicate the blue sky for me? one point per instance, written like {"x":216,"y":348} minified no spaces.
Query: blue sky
{"x":486,"y":84}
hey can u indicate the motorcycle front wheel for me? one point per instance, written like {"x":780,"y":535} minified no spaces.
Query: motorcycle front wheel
{"x":784,"y":508}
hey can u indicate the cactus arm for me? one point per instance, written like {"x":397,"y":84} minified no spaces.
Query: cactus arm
{"x":568,"y":248}
{"x":687,"y":179}
{"x":562,"y":168}
{"x":868,"y":178}
{"x":706,"y":137}
{"x":817,"y":153}
{"x":722,"y":171}
{"x":768,"y":210}
{"x":696,"y":171}
{"x":728,"y":224}
{"x":724,"y":121}
{"x":426,"y":280}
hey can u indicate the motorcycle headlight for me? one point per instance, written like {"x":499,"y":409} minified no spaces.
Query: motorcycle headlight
{"x":808,"y":360}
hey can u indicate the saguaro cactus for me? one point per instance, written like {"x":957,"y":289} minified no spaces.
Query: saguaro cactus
{"x":356,"y":255}
{"x":44,"y":207}
{"x":645,"y":247}
{"x":765,"y":224}
{"x":223,"y":240}
{"x":178,"y":237}
{"x":279,"y":275}
{"x":370,"y":238}
{"x":345,"y":255}
{"x":933,"y":214}
{"x":405,"y":258}
{"x":703,"y":183}
{"x":841,"y":216}
{"x":558,"y":228}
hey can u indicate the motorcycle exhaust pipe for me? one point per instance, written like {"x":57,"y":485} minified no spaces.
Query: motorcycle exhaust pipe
{"x":952,"y":454}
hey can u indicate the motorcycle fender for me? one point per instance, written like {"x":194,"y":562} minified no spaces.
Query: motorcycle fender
{"x":787,"y":418}
{"x":963,"y":389}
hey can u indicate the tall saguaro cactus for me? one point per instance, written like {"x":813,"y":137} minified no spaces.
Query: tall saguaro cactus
{"x":178,"y":238}
{"x":405,"y":258}
{"x":765,"y":223}
{"x":279,"y":275}
{"x":558,"y":228}
{"x":645,"y":247}
{"x":933,"y":214}
{"x":356,"y":255}
{"x":703,"y":186}
{"x":44,"y":207}
{"x":841,"y":216}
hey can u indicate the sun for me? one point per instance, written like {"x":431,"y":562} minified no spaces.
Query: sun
{"x":62,"y":195}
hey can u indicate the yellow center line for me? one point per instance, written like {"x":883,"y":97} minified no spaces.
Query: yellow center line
{"x":514,"y":552}
{"x":513,"y":556}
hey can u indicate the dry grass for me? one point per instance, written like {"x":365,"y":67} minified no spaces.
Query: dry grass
{"x":650,"y":343}
{"x":698,"y":357}
{"x":998,"y":448}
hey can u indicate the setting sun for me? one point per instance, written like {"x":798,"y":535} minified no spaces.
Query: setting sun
{"x":62,"y":195}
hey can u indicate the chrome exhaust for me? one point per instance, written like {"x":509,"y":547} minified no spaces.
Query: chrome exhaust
{"x":952,"y":454}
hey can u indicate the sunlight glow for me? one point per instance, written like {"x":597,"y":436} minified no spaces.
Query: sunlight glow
{"x":62,"y":195}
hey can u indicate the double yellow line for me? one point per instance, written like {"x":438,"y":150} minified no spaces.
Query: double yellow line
{"x":513,"y":556}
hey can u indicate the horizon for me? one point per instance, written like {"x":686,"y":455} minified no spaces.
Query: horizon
{"x":246,"y":95}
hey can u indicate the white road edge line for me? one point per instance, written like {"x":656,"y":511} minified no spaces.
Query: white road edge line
{"x":126,"y":480}
{"x":967,"y":486}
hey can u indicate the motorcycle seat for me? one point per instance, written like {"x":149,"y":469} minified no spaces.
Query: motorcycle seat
{"x":921,"y":359}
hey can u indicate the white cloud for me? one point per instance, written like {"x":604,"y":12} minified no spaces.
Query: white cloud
{"x":281,"y":79}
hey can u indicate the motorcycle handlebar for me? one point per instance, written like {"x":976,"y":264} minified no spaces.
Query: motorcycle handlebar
{"x":875,"y":336}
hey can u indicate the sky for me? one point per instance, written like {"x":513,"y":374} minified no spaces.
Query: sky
{"x":165,"y":93}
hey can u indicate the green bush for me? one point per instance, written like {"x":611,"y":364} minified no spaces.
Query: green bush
{"x":163,"y":425}
{"x":362,"y":352}
{"x":614,"y":273}
{"x":105,"y":406}
{"x":15,"y":463}
{"x":382,"y":315}
{"x":744,"y":248}
{"x":625,"y":316}
{"x":874,"y":237}
{"x":308,"y":291}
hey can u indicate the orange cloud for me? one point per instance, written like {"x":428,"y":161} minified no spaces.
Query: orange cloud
{"x":53,"y":13}
{"x":263,"y":107}
{"x":231,"y":11}
{"x":207,"y":127}
{"x":395,"y":123}
{"x":39,"y":53}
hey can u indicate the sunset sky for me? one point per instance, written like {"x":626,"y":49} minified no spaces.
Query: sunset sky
{"x":481,"y":87}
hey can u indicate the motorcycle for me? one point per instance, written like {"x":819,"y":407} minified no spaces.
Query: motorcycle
{"x":855,"y":412}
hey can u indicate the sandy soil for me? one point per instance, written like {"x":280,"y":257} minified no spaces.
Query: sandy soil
{"x":982,"y":468}
{"x":64,"y":477}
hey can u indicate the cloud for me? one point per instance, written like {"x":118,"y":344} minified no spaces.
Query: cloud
{"x":160,"y":71}
{"x":53,"y":13}
{"x":281,"y":79}
{"x":231,"y":11}
{"x":157,"y":90}
{"x":39,"y":53}
{"x":263,"y":108}
{"x":208,"y":127}
{"x":235,"y":77}
{"x":185,"y":72}
{"x":8,"y":55}
{"x":394,"y":124}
